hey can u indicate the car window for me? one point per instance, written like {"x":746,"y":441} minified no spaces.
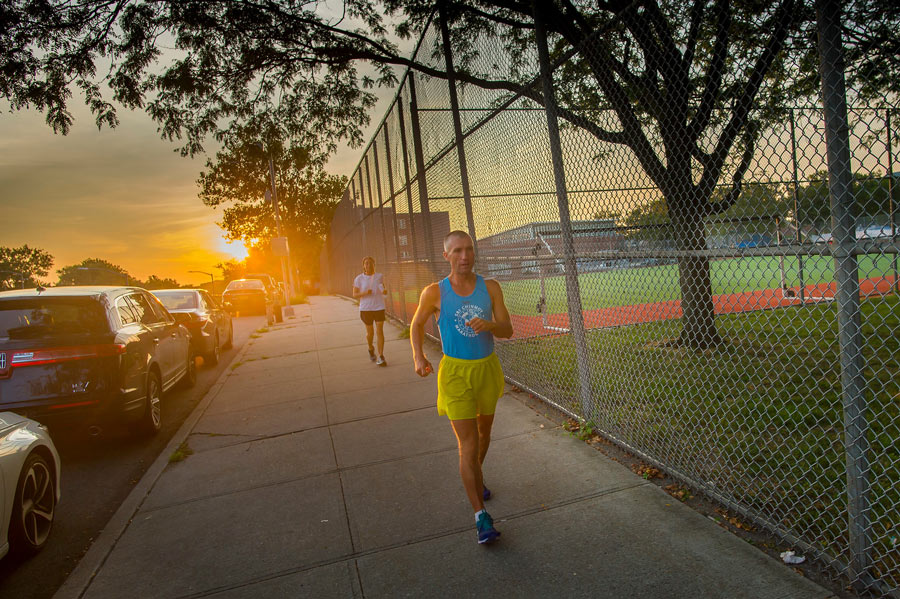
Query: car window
{"x":40,"y":317}
{"x":143,"y":310}
{"x":208,"y":301}
{"x":125,"y":311}
{"x":245,"y":284}
{"x":158,"y":309}
{"x":177,"y":300}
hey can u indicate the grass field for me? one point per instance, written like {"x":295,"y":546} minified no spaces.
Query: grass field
{"x":646,"y":285}
{"x":759,"y":418}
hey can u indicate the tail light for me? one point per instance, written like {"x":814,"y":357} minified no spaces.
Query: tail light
{"x":55,"y":355}
{"x":196,"y":321}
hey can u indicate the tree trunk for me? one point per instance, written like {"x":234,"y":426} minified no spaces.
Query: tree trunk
{"x":698,"y":314}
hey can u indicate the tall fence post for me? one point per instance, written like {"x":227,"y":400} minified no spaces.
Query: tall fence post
{"x":393,"y":197}
{"x":853,"y":382}
{"x":573,"y":291}
{"x":408,"y":185}
{"x":892,"y":205}
{"x":384,"y":233}
{"x":798,"y":235}
{"x":419,"y":153}
{"x":457,"y":124}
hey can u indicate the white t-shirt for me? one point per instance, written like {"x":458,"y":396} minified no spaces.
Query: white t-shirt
{"x":375,"y":300}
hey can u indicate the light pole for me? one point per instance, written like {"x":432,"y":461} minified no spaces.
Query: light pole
{"x":286,"y":274}
{"x":124,"y":274}
{"x":212,"y":280}
{"x":17,"y":273}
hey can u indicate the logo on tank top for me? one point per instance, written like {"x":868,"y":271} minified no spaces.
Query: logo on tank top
{"x":464,"y":314}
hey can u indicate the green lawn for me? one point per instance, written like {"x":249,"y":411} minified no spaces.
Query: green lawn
{"x":631,"y":286}
{"x":760,"y":418}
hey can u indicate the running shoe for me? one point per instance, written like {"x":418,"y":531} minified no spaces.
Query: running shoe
{"x":381,"y":361}
{"x":486,"y":532}
{"x":371,"y":354}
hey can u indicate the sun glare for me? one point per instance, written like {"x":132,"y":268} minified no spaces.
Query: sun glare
{"x":235,"y":249}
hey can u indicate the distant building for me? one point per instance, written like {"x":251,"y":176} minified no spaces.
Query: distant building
{"x":519,"y":252}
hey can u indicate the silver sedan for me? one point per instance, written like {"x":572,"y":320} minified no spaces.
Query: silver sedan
{"x":29,"y":484}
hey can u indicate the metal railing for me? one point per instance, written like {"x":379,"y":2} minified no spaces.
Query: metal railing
{"x":741,"y":336}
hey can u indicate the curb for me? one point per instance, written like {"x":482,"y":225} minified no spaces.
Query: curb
{"x":77,"y":583}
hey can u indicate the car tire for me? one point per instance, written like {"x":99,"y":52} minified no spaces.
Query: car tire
{"x":151,"y":419}
{"x":230,"y":343}
{"x":212,"y":358}
{"x":189,"y":379}
{"x":33,"y":506}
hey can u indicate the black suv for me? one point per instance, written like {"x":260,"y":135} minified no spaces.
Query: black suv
{"x":90,"y":355}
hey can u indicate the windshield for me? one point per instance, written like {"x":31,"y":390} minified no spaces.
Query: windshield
{"x":177,"y":300}
{"x":245,"y":284}
{"x":39,"y":317}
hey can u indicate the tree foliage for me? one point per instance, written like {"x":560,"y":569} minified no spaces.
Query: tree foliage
{"x":686,"y":87}
{"x":95,"y":271}
{"x":237,"y":181}
{"x":23,"y":267}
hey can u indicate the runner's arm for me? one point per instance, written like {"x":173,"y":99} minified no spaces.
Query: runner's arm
{"x":428,"y":303}
{"x":358,"y":294}
{"x":502,"y":322}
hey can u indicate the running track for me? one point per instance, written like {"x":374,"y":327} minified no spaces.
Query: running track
{"x":765,"y":299}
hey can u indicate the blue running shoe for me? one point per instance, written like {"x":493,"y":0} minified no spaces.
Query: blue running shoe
{"x":486,"y":494}
{"x":486,"y":532}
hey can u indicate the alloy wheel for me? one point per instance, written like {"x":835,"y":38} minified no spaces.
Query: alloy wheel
{"x":38,"y":501}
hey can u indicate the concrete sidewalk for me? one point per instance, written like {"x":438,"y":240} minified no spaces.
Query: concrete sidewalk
{"x":316,"y":473}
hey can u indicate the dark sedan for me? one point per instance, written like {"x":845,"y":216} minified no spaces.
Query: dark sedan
{"x":249,"y":296}
{"x":208,"y":322}
{"x":89,"y":355}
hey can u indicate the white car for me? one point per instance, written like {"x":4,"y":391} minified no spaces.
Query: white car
{"x":29,"y":484}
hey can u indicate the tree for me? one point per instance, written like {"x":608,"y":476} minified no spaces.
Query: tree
{"x":239,"y":177}
{"x":154,"y":282}
{"x":232,"y":269}
{"x":94,"y":271}
{"x":687,"y":87}
{"x":21,"y":266}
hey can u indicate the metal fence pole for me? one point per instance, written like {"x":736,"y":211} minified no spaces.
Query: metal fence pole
{"x":420,"y":170}
{"x":384,"y":233}
{"x":573,"y":291}
{"x":457,"y":124}
{"x":797,"y":222}
{"x":892,"y":206}
{"x":393,"y":196}
{"x":853,"y":383}
{"x":372,"y":207}
{"x":408,"y":185}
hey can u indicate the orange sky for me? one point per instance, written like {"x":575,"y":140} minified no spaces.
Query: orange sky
{"x":123,"y":195}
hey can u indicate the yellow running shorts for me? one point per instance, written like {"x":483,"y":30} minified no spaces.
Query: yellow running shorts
{"x":468,"y":388}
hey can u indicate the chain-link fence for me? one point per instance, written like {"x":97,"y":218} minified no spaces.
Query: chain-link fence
{"x":697,"y":243}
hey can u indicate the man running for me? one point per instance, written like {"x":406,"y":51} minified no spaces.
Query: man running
{"x":369,"y":288}
{"x":470,"y":313}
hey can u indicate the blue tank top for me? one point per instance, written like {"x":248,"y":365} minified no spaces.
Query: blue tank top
{"x":457,"y":339}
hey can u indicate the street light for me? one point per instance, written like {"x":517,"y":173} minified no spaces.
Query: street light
{"x":17,"y":273}
{"x":212,"y":280}
{"x":125,"y":274}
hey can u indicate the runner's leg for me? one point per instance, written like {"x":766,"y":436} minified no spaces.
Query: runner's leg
{"x":370,"y":332}
{"x":469,"y":467}
{"x":485,"y":422}
{"x":379,"y":330}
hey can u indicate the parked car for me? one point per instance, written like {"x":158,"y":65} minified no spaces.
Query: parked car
{"x":249,"y":296}
{"x":275,"y":289}
{"x":90,"y":355}
{"x":29,"y":484}
{"x":206,"y":319}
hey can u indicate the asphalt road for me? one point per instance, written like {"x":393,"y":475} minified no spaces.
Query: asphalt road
{"x":98,"y":473}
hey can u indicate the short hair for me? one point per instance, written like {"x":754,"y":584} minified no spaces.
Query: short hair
{"x":453,"y":234}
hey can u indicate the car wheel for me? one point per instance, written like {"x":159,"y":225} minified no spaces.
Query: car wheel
{"x":151,"y":420}
{"x":190,"y":376}
{"x":230,"y":343}
{"x":33,"y":506}
{"x":212,"y":358}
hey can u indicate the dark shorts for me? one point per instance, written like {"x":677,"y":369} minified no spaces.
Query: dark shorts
{"x":370,"y":316}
